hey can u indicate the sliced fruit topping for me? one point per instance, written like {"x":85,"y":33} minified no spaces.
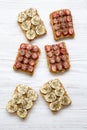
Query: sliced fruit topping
{"x":59,"y":67}
{"x":11,"y":106}
{"x":46,"y":89}
{"x":22,"y":89}
{"x":22,"y":113}
{"x":50,"y":54}
{"x":31,"y":69}
{"x":17,"y":97}
{"x":23,"y":46}
{"x":27,"y":103}
{"x":66,"y":64}
{"x":67,"y":12}
{"x":22,"y":16}
{"x":32,"y":95}
{"x":58,"y":33}
{"x":18,"y":65}
{"x":29,"y":47}
{"x":48,"y":48}
{"x":34,"y":56}
{"x":31,"y":12}
{"x":30,"y":34}
{"x":24,"y":67}
{"x":35,"y":48}
{"x":53,"y":68}
{"x":26,"y":61}
{"x":52,"y":60}
{"x":55,"y":106}
{"x":65,"y":100}
{"x":40,"y":29}
{"x":58,"y":59}
{"x":28,"y":54}
{"x":71,"y":31}
{"x":50,"y":97}
{"x":55,"y":84}
{"x":59,"y":91}
{"x":26,"y":25}
{"x":22,"y":52}
{"x":36,"y":20}
{"x":20,"y":58}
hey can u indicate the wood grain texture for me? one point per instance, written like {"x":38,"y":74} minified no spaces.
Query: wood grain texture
{"x":75,"y":80}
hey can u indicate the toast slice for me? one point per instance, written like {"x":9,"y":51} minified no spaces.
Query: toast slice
{"x":57,"y":57}
{"x":22,"y":101}
{"x":62,"y":24}
{"x":31,"y":24}
{"x":27,"y":58}
{"x":55,"y":95}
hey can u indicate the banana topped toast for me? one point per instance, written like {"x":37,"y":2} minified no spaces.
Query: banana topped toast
{"x":22,"y":101}
{"x":57,"y":57}
{"x":31,"y":24}
{"x":27,"y":58}
{"x":62,"y":24}
{"x":55,"y":95}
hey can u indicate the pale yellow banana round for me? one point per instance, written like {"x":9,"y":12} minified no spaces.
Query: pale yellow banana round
{"x":26,"y":25}
{"x":59,"y":91}
{"x":36,"y":20}
{"x":55,"y":106}
{"x":31,"y":12}
{"x":22,"y":89}
{"x":40,"y":29}
{"x":32,"y":95}
{"x":30,"y":34}
{"x":50,"y":97}
{"x":22,"y":113}
{"x":22,"y":16}
{"x":46,"y":89}
{"x":18,"y":98}
{"x":55,"y":83}
{"x":11,"y":106}
{"x":27,"y":103}
{"x":65,"y":100}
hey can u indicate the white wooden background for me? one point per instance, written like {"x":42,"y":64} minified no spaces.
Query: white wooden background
{"x":75,"y":80}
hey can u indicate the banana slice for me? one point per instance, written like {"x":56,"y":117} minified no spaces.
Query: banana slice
{"x":50,"y":97}
{"x":11,"y":106}
{"x":46,"y":89}
{"x":30,"y":34}
{"x":22,"y":16}
{"x":55,"y":106}
{"x":40,"y":29}
{"x":22,"y":113}
{"x":59,"y":92}
{"x":31,"y":12}
{"x":36,"y":20}
{"x":18,"y":98}
{"x":26,"y":25}
{"x":22,"y":89}
{"x":27,"y":103}
{"x":55,"y":83}
{"x":32,"y":95}
{"x":65,"y":100}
